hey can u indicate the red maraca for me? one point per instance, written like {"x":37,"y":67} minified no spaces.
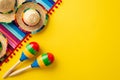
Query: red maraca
{"x":29,"y":52}
{"x":42,"y":61}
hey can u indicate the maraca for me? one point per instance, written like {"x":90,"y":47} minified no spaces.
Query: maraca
{"x":28,"y":53}
{"x":42,"y":61}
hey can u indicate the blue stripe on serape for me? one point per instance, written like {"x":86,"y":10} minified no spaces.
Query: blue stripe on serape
{"x":17,"y":29}
{"x":13,"y":31}
{"x":44,"y":4}
{"x":51,"y":1}
{"x":48,"y":3}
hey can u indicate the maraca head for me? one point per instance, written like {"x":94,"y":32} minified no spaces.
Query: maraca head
{"x":43,"y":60}
{"x":33,"y":47}
{"x":30,"y":51}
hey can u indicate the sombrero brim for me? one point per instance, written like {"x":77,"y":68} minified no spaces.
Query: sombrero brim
{"x":32,"y":5}
{"x":4,"y":43}
{"x":8,"y":18}
{"x":19,"y":2}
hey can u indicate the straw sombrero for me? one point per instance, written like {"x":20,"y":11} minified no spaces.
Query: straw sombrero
{"x":3,"y":45}
{"x":31,"y":17}
{"x":7,"y":9}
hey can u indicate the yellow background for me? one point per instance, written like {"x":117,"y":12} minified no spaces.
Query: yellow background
{"x":84,"y":36}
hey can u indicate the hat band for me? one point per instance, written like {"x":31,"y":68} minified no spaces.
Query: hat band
{"x":0,"y":46}
{"x":3,"y":45}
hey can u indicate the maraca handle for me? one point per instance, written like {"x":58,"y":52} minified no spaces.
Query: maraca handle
{"x":20,"y":71}
{"x":11,"y":69}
